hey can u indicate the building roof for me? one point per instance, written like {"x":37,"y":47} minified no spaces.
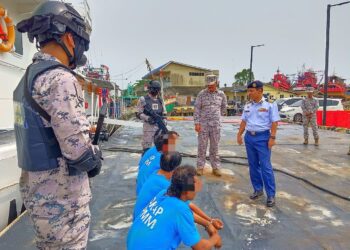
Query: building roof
{"x":102,"y":83}
{"x":233,"y":89}
{"x":157,"y":70}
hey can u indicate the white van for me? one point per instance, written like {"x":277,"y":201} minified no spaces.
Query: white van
{"x":294,"y":112}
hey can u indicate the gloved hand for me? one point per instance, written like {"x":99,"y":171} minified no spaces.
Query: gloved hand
{"x":150,"y":120}
{"x":95,"y":171}
{"x":97,"y":155}
{"x":197,"y":127}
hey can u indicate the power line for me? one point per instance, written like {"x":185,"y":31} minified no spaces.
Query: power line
{"x":124,"y":73}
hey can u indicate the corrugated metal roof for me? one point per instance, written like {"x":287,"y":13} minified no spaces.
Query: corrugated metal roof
{"x":156,"y":70}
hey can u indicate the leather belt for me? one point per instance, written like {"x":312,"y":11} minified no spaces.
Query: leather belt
{"x":253,"y":133}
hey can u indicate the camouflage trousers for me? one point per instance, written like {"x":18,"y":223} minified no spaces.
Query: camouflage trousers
{"x":148,"y":135}
{"x":66,"y":231}
{"x":211,"y":133}
{"x":313,"y":122}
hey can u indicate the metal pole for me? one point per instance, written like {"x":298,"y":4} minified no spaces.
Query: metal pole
{"x":326,"y":66}
{"x":251,"y":63}
{"x":114,"y":102}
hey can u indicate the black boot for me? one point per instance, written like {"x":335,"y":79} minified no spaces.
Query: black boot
{"x":256,"y":195}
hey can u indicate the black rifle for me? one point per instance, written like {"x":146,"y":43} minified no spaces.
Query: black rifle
{"x":101,"y":117}
{"x":157,"y":119}
{"x":103,"y":111}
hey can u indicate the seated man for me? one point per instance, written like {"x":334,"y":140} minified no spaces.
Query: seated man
{"x":151,"y":162}
{"x":160,"y":180}
{"x":157,"y":181}
{"x":168,"y":220}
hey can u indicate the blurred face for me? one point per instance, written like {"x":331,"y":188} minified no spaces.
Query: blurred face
{"x":171,"y":146}
{"x":309,"y":94}
{"x":212,"y":87}
{"x":197,"y":188}
{"x":255,"y":94}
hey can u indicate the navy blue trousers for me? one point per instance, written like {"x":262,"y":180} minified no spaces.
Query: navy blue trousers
{"x":259,"y":159}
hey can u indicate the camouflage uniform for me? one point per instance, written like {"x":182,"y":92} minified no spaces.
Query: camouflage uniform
{"x":58,"y":204}
{"x":310,"y":106}
{"x":208,"y":109}
{"x":149,"y":130}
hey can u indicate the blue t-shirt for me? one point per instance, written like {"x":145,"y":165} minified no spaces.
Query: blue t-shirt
{"x":163,"y":225}
{"x":150,"y":165}
{"x":149,"y":190}
{"x":147,"y":154}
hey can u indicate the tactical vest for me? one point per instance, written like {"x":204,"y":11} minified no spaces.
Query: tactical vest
{"x":156,"y":105}
{"x":37,"y":146}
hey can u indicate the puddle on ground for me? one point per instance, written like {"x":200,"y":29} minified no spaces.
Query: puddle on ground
{"x":311,"y":211}
{"x":101,"y":234}
{"x":125,"y":203}
{"x":124,"y":223}
{"x":130,"y":172}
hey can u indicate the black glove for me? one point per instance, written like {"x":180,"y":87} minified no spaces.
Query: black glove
{"x":96,"y":171}
{"x":150,"y":120}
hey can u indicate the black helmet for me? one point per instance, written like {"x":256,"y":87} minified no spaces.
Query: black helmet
{"x":154,"y":86}
{"x":50,"y":21}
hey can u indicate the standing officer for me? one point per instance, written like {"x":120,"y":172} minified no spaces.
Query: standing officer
{"x":52,"y":133}
{"x":154,"y":102}
{"x":309,"y":106}
{"x":210,"y":105}
{"x":259,"y":119}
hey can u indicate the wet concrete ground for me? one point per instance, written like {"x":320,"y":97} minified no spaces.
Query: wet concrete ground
{"x":304,"y":217}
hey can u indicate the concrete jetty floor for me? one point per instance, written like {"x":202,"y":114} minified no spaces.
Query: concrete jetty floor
{"x":304,"y":217}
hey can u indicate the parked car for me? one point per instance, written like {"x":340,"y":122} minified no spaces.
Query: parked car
{"x":283,"y":102}
{"x":294,"y":112}
{"x":234,"y":108}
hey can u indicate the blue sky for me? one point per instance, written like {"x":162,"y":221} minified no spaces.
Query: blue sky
{"x":218,"y":35}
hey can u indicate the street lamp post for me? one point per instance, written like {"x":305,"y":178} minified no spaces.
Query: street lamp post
{"x":251,"y":60}
{"x":327,"y":59}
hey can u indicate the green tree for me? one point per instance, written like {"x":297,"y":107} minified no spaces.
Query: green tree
{"x":242,"y":77}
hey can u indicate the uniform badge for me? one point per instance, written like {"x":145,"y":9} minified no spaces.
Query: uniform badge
{"x":254,"y":85}
{"x":262,"y":110}
{"x":155,"y":106}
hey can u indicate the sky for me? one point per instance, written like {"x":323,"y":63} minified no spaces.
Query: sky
{"x":218,"y":35}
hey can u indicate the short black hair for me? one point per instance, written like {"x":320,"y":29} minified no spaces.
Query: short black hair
{"x":182,"y":180}
{"x":170,"y":160}
{"x":162,"y":139}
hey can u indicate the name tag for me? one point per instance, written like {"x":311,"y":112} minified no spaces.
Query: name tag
{"x":155,"y":106}
{"x":262,"y":110}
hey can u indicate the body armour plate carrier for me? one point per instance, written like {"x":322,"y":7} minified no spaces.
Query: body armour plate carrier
{"x":37,"y":146}
{"x":156,"y":105}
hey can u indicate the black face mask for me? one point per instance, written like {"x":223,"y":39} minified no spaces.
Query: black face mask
{"x":82,"y":61}
{"x":154,"y":92}
{"x":80,"y":48}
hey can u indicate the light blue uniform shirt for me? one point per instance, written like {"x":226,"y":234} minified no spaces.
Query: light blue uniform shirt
{"x":259,"y":116}
{"x":149,"y":190}
{"x":163,"y":225}
{"x":150,"y":165}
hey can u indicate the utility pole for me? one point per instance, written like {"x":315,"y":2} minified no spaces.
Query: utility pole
{"x":325,"y":95}
{"x":251,"y":60}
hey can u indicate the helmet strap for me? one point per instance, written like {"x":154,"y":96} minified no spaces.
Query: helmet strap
{"x":64,"y":47}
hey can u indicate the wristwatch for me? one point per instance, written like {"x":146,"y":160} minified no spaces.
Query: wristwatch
{"x":273,"y":137}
